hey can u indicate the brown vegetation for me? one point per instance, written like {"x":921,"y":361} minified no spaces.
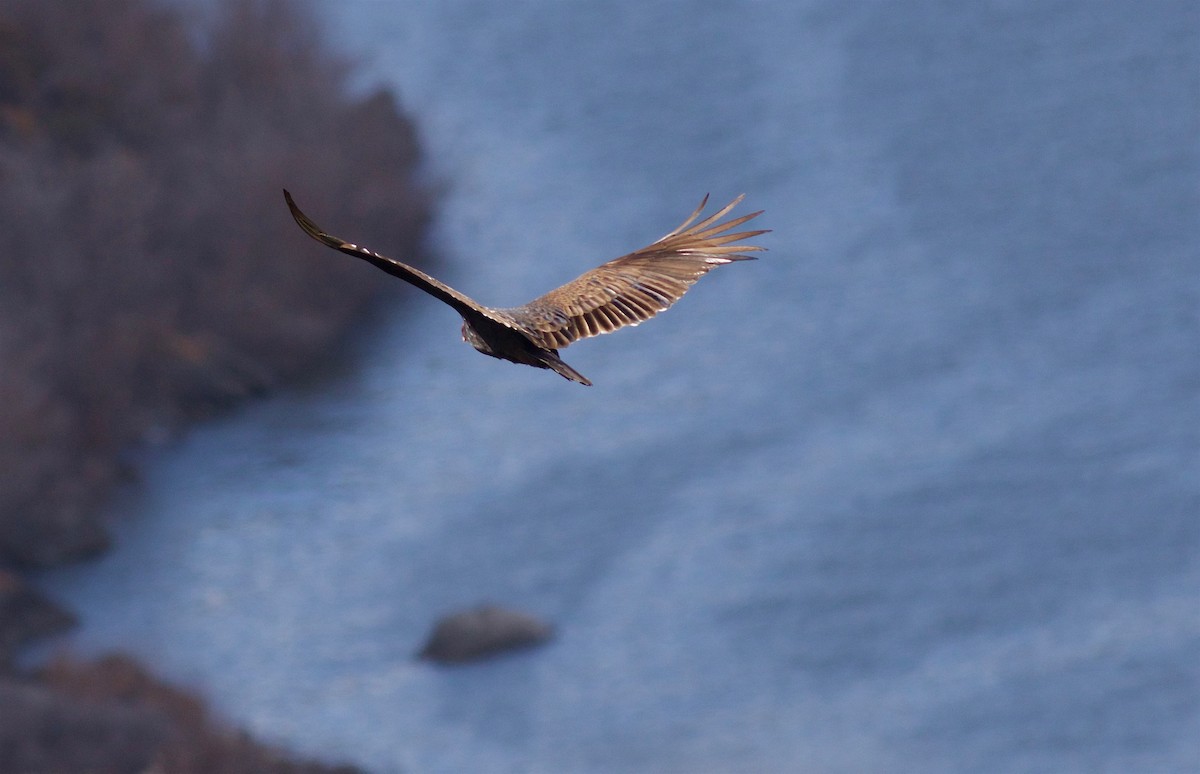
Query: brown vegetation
{"x":149,"y":272}
{"x":111,"y":716}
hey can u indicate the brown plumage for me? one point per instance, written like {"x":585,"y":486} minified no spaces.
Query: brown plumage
{"x":624,"y":291}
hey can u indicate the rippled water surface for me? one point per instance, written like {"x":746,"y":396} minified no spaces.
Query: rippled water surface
{"x":918,"y":490}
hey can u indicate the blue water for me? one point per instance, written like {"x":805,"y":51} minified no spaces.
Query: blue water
{"x":917,"y":491}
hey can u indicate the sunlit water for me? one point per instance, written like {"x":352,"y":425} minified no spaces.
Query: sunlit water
{"x":917,"y":491}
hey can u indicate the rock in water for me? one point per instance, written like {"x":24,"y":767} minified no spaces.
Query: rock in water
{"x":481,"y":632}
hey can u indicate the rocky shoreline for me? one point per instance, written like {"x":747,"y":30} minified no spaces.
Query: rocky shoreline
{"x":110,"y":715}
{"x":152,"y":277}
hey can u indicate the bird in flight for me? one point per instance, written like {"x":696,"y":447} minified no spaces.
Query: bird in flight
{"x":625,"y":291}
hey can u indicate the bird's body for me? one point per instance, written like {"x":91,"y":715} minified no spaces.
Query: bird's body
{"x":624,"y":291}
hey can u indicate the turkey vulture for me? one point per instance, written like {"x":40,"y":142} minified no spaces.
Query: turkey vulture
{"x":625,"y":291}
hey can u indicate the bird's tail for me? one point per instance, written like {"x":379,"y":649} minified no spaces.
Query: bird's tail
{"x":555,"y":363}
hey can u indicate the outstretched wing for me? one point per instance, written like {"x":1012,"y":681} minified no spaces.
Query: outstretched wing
{"x":465,"y":305}
{"x":635,"y":287}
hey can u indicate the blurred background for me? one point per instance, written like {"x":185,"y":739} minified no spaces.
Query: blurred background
{"x":917,"y":490}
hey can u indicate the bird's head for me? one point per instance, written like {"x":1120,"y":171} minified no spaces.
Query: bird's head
{"x":474,"y":339}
